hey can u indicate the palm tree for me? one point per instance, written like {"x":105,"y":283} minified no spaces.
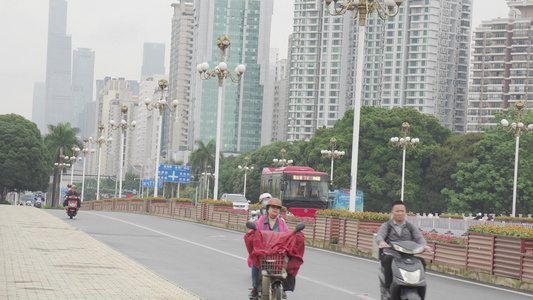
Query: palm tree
{"x":59,"y":141}
{"x":202,"y":157}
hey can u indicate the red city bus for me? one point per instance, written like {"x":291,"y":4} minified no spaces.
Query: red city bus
{"x":301,"y":189}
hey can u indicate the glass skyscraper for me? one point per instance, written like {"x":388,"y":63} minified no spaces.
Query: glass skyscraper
{"x":247,"y":24}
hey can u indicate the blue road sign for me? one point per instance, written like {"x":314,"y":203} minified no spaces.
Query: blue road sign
{"x":150,"y":183}
{"x":175,"y":173}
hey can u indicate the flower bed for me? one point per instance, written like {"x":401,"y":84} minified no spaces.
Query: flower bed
{"x":446,"y":239}
{"x":364,"y":215}
{"x":231,"y":211}
{"x":517,"y":231}
{"x":306,"y":220}
{"x":182,"y":201}
{"x":216,"y":202}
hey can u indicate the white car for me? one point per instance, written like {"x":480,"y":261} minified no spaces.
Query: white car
{"x":239,"y":201}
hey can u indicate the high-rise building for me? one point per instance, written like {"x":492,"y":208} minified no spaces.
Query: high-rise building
{"x":280,"y":111}
{"x":114,"y":94}
{"x":418,"y":59}
{"x":180,"y":73}
{"x":153,"y":59}
{"x":247,"y":24}
{"x":82,"y":86}
{"x":502,"y":60}
{"x":39,"y":100}
{"x":146,"y":134}
{"x":59,"y":102}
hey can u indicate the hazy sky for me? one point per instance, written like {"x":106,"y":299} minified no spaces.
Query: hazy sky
{"x":116,"y":30}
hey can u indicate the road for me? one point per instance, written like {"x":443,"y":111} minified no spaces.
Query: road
{"x":211,"y":262}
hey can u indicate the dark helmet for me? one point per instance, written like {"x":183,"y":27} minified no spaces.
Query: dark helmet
{"x":274,"y":202}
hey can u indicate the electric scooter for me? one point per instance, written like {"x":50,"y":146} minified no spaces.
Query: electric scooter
{"x":408,"y":274}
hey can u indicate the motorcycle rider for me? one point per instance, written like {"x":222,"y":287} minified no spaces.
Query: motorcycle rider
{"x":397,"y":229}
{"x":479,"y":216}
{"x":72,"y":192}
{"x":39,"y":197}
{"x":269,"y":221}
{"x":263,"y":200}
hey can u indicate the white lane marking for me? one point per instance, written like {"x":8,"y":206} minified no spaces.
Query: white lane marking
{"x":235,"y":256}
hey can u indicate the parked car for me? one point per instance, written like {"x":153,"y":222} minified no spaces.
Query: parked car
{"x":239,"y":201}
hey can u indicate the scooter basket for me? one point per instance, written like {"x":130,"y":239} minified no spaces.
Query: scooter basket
{"x":273,"y":264}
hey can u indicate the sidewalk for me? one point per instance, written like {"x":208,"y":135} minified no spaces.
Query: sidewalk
{"x":42,"y":257}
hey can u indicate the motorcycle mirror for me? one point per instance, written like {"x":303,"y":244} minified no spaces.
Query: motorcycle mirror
{"x":299,"y":227}
{"x":251,"y":225}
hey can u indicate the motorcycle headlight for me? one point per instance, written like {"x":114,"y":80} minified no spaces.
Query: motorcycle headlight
{"x":417,"y":250}
{"x":410,"y":277}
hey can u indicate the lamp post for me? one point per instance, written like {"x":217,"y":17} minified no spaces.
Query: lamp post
{"x":160,"y":105}
{"x":361,"y":8}
{"x":221,"y":72}
{"x":282,"y":162}
{"x":61,"y":165}
{"x":123,"y":125}
{"x":86,"y":151}
{"x":101,"y":141}
{"x":246,"y":169}
{"x":207,"y":175}
{"x":73,"y":159}
{"x":332,"y":154}
{"x":517,"y":128}
{"x":404,"y":142}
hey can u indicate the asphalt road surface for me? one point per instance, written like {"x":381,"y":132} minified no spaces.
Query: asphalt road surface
{"x":211,"y":262}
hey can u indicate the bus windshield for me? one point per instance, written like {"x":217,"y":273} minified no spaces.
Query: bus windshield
{"x":306,"y":189}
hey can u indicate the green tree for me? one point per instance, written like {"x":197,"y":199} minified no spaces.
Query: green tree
{"x":59,"y":141}
{"x":443,"y":164}
{"x":486,"y":183}
{"x":24,"y":159}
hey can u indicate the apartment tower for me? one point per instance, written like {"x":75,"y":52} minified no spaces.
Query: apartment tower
{"x":502,"y":71}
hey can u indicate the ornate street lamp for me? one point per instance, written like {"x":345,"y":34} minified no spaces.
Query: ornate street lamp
{"x":282,"y":162}
{"x":245,"y":169}
{"x":333,"y":154}
{"x":123,"y":125}
{"x":101,"y":141}
{"x":160,"y":105}
{"x":517,"y":128}
{"x":86,"y":151}
{"x":73,"y":159}
{"x":404,"y":142}
{"x":221,"y":72}
{"x":61,"y":165}
{"x":361,"y":8}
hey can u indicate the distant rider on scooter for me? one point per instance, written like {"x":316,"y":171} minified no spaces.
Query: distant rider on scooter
{"x":263,"y":200}
{"x":72,"y":192}
{"x":270,"y":221}
{"x":397,"y":229}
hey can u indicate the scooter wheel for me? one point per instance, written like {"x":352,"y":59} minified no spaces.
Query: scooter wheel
{"x":276,"y":290}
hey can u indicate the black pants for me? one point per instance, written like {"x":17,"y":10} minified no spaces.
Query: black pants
{"x":386,"y":262}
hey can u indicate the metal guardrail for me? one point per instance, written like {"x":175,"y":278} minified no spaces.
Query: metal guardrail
{"x":456,"y":225}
